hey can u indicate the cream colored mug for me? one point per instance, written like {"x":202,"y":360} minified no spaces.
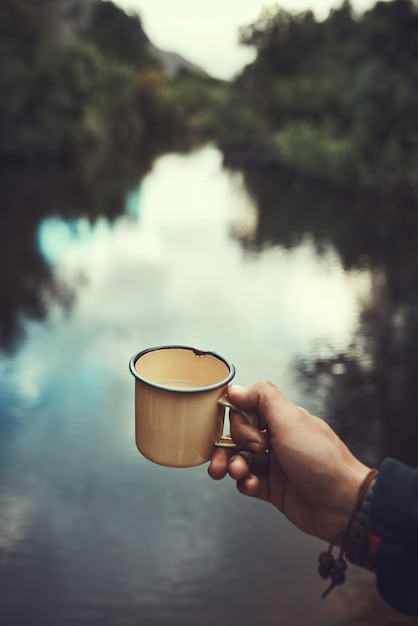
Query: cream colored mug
{"x":180,"y":400}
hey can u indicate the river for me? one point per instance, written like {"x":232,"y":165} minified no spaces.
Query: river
{"x":91,"y":533}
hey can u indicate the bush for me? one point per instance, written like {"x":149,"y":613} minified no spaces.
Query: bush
{"x":316,"y":151}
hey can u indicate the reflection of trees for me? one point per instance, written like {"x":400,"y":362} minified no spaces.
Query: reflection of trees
{"x":25,"y":279}
{"x":369,"y":393}
{"x":91,"y":188}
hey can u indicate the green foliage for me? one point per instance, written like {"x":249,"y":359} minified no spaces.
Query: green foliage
{"x":21,"y":51}
{"x":118,"y":36}
{"x":316,"y":150}
{"x":59,"y":114}
{"x":196,"y":102}
{"x":83,"y":82}
{"x":335,"y":99}
{"x":281,"y":39}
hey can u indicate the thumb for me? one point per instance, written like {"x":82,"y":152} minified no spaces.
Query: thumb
{"x":245,"y":398}
{"x":265,"y":399}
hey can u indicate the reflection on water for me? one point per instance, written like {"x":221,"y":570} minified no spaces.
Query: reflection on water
{"x":92,"y":533}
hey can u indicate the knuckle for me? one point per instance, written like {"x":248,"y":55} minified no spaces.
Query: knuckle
{"x":266,"y":388}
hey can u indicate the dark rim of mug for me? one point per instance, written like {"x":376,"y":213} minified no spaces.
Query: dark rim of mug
{"x":221,"y":383}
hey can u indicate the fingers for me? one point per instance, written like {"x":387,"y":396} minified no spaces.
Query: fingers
{"x":254,"y":486}
{"x":248,"y":469}
{"x":249,"y":465}
{"x":238,"y":464}
{"x":245,"y":462}
{"x":246,"y":398}
{"x":249,"y":486}
{"x":218,"y":466}
{"x":246,"y":437}
{"x":274,"y":410}
{"x":258,"y":398}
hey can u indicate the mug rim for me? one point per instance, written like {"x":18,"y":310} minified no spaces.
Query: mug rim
{"x":198,"y":352}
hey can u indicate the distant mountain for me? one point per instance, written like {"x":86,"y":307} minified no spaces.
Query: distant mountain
{"x":173,"y":63}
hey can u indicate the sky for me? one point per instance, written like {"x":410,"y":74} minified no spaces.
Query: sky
{"x":206,"y":33}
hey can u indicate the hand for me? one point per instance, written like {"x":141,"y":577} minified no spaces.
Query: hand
{"x":311,"y":476}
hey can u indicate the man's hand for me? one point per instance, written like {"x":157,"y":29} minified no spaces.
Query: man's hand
{"x":297,"y":462}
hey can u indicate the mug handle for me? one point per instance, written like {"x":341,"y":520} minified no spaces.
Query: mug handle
{"x":225,"y":441}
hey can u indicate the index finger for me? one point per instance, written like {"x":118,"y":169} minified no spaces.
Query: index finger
{"x":245,"y":436}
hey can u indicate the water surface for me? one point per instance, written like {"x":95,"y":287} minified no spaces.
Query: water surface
{"x":91,"y":533}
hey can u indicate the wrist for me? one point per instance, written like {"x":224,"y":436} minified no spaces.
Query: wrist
{"x":354,"y":545}
{"x":351,"y":494}
{"x":359,"y":548}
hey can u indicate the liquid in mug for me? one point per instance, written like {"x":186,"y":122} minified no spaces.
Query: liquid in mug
{"x":180,"y":384}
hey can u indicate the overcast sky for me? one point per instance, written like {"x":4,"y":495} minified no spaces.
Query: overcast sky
{"x":206,"y":33}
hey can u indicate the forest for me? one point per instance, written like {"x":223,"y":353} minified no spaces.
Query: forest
{"x":80,"y":78}
{"x":335,"y":101}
